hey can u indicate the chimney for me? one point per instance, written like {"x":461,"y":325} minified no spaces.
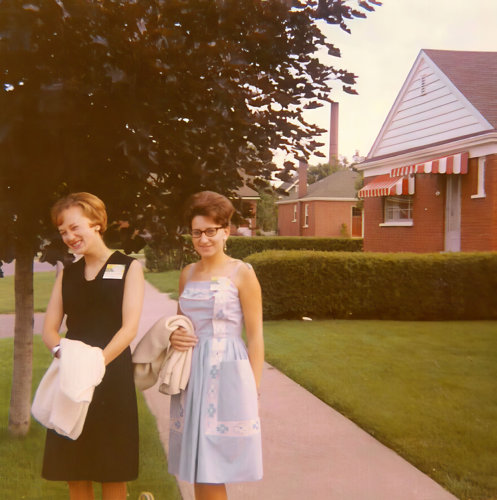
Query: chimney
{"x":302,"y":179}
{"x":333,"y":132}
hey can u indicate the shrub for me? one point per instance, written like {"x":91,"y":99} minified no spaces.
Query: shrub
{"x":380,"y":286}
{"x":159,"y":259}
{"x":239,"y":247}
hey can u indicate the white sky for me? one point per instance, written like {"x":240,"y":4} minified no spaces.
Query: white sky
{"x":381,"y":51}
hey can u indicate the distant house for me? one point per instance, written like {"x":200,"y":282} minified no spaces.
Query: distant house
{"x":431,"y":175}
{"x":327,"y":208}
{"x":249,"y":199}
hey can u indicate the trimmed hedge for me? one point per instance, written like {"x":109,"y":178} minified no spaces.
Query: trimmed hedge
{"x":240,"y":247}
{"x":399,"y":286}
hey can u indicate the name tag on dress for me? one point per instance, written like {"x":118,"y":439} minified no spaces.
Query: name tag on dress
{"x":219,"y":283}
{"x":114,"y":272}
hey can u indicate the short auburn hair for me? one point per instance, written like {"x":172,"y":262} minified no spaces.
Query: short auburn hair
{"x":93,"y":208}
{"x":209,"y":204}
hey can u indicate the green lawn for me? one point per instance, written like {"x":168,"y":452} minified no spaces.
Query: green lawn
{"x":20,"y":459}
{"x":43,"y":283}
{"x":166,"y":282}
{"x":428,"y":390}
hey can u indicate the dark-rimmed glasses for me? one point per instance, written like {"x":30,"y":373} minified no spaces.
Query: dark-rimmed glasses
{"x":209,"y":232}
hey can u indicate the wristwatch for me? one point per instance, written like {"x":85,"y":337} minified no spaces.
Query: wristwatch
{"x":55,"y":350}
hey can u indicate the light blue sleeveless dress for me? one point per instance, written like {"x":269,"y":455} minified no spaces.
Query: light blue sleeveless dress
{"x":215,"y":432}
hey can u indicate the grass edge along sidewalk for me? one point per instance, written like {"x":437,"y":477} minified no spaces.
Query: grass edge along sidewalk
{"x":42,"y":285}
{"x":427,"y":390}
{"x":21,"y":458}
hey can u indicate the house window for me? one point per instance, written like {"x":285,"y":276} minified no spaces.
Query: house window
{"x":356,"y":212}
{"x":398,"y":211}
{"x":481,"y":179}
{"x":306,"y":215}
{"x":294,"y":213}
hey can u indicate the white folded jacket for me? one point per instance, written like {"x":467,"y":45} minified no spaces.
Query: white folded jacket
{"x":62,"y":399}
{"x":155,"y":360}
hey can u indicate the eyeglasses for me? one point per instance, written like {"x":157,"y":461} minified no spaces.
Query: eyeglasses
{"x":209,"y":232}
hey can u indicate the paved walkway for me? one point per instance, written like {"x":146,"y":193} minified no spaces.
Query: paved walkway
{"x":8,"y":268}
{"x":311,"y":452}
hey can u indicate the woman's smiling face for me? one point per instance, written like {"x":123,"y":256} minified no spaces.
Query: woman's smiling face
{"x":207,"y":246}
{"x":77,"y":231}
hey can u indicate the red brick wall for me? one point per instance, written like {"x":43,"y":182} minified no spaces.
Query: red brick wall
{"x":479,"y":215}
{"x":285,"y":216}
{"x":325,"y":218}
{"x":427,"y":232}
{"x":491,"y":190}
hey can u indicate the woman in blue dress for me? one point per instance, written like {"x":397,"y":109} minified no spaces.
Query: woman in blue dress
{"x":215,"y":435}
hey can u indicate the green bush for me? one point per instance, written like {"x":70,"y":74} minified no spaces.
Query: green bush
{"x":239,"y":247}
{"x":377,"y":286}
{"x":159,"y":259}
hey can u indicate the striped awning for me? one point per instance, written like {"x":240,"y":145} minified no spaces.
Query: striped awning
{"x":453,"y":164}
{"x":384,"y":185}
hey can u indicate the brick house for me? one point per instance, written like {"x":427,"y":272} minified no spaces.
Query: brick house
{"x":431,"y":175}
{"x":248,"y":199}
{"x":327,"y":208}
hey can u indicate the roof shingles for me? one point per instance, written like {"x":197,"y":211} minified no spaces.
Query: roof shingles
{"x":340,"y":184}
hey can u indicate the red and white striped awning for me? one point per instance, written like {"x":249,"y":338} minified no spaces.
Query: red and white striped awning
{"x":453,"y":164}
{"x":384,"y":185}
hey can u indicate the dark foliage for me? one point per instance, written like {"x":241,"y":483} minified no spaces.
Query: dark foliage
{"x":144,"y":102}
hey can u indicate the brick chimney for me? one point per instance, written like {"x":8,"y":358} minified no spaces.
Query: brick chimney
{"x":333,"y":132}
{"x":302,"y":179}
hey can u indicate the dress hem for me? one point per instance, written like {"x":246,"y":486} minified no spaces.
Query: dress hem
{"x":231,"y":481}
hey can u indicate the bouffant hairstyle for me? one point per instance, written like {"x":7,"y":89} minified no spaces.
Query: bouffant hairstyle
{"x":209,"y":204}
{"x":93,"y":208}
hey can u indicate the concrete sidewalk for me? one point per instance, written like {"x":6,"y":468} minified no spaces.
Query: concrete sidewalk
{"x":310,"y":451}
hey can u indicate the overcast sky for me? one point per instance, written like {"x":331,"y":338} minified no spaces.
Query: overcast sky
{"x":382,"y":49}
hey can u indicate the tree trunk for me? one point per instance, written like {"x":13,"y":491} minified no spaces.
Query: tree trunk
{"x":20,"y":396}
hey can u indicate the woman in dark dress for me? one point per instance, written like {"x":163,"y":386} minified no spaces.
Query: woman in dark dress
{"x":102,"y":295}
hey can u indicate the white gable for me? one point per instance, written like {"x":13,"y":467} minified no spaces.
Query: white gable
{"x":428,"y":109}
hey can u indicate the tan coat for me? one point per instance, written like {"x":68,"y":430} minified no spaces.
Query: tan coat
{"x":155,"y":360}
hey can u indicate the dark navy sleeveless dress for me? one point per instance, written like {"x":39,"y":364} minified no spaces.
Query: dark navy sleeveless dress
{"x":107,"y":449}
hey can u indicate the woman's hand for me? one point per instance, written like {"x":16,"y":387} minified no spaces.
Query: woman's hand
{"x":181,"y":340}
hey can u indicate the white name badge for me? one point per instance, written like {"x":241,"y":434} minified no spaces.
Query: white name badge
{"x":114,"y":272}
{"x":219,"y":283}
{"x":215,"y":285}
